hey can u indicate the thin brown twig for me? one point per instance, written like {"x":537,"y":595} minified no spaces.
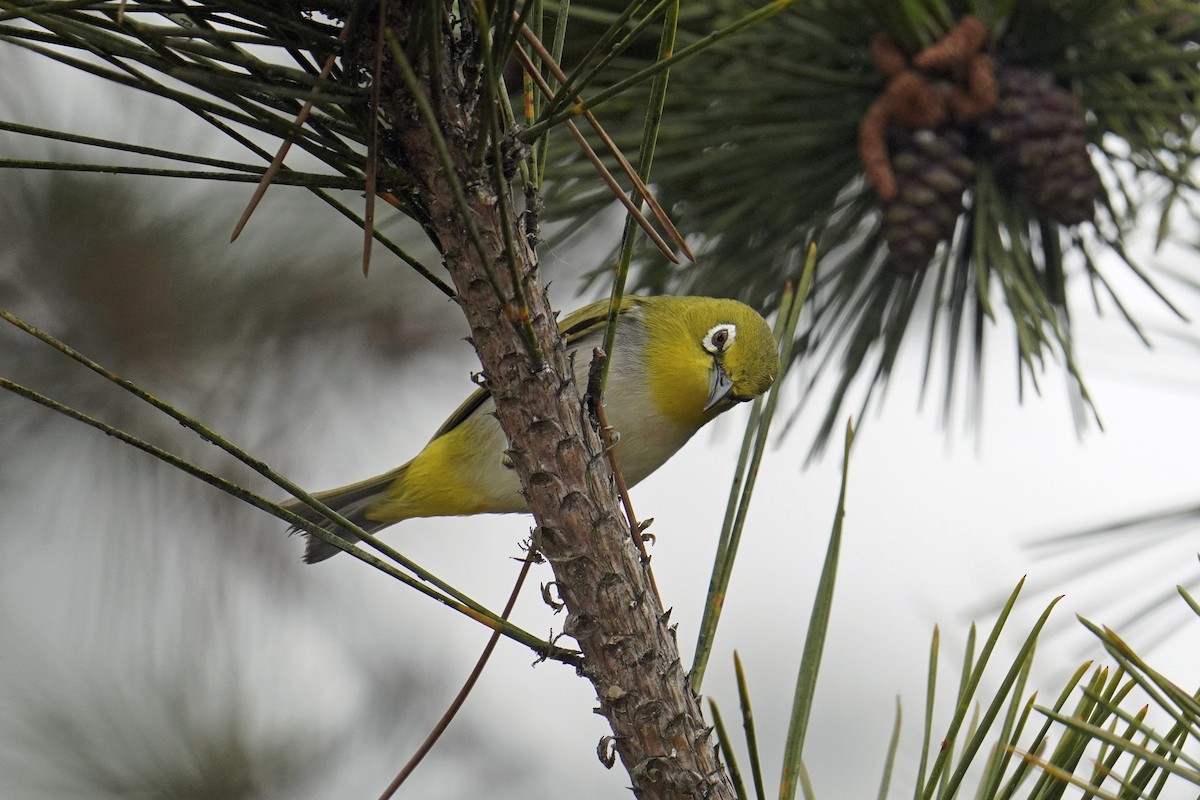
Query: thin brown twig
{"x":656,"y":208}
{"x":607,"y":176}
{"x":595,"y":399}
{"x":286,"y":145}
{"x":468,"y":685}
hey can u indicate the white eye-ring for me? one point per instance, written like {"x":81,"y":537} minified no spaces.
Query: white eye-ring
{"x":719,"y":337}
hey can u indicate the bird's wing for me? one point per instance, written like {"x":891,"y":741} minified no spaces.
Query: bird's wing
{"x":590,"y":319}
{"x":463,"y":412}
{"x":576,"y":326}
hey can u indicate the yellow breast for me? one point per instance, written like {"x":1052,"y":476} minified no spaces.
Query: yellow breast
{"x":656,"y":391}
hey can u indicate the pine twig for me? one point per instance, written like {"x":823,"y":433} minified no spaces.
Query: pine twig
{"x":277,"y":162}
{"x":639,"y":185}
{"x":468,"y":685}
{"x":605,"y":175}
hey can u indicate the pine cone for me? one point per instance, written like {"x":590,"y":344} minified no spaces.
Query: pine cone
{"x":932,"y":171}
{"x":1039,"y":140}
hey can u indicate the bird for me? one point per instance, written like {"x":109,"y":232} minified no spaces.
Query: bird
{"x":676,"y":364}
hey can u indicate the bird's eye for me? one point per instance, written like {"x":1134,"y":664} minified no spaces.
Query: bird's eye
{"x":719,"y":337}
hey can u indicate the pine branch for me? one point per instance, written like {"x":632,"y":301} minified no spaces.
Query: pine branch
{"x":438,"y":110}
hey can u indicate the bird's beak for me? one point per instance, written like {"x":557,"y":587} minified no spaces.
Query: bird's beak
{"x":720,"y":388}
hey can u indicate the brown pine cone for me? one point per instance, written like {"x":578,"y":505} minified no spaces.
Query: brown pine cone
{"x":1039,"y":141}
{"x":932,"y":172}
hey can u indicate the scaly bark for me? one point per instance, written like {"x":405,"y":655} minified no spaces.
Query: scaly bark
{"x":630,"y":653}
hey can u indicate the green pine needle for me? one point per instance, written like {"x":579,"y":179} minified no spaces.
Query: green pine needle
{"x":889,"y":761}
{"x":754,"y":445}
{"x":448,"y":595}
{"x":814,"y":644}
{"x":748,"y":726}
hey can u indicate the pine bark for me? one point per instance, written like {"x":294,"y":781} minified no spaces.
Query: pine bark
{"x":630,"y":653}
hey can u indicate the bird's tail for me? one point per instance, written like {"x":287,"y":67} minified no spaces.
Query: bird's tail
{"x":352,"y":502}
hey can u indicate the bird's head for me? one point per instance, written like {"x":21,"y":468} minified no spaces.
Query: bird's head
{"x":710,"y":354}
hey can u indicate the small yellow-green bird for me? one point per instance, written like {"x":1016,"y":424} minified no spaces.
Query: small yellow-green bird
{"x":677,"y":363}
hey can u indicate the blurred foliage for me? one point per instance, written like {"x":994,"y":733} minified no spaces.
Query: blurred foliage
{"x":1142,"y":553}
{"x":146,"y":630}
{"x":136,"y":740}
{"x":1152,"y":546}
{"x":758,"y":156}
{"x":145,"y":282}
{"x":219,"y":707}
